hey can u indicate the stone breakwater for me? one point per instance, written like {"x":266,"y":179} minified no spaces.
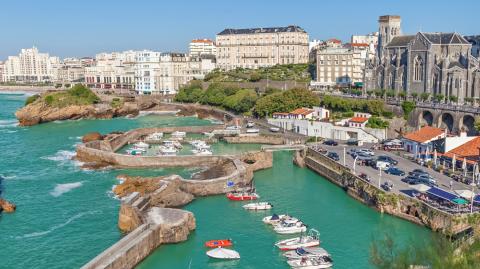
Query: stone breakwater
{"x":399,"y":205}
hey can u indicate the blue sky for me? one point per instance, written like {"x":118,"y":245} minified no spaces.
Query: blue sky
{"x":83,"y":28}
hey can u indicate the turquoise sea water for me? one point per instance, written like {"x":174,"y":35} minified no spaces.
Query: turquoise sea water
{"x":66,"y":216}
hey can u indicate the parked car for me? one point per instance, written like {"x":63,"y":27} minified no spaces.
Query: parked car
{"x":426,"y":179}
{"x":395,"y":171}
{"x":410,"y":180}
{"x":364,"y":177}
{"x":388,"y":186}
{"x":387,"y":159}
{"x":274,"y":129}
{"x":330,"y":142}
{"x":250,"y":124}
{"x":352,"y":142}
{"x":333,"y":156}
{"x":366,"y":152}
{"x":382,"y":165}
{"x":418,"y":172}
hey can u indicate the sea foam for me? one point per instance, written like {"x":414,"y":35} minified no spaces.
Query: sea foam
{"x":64,"y":188}
{"x":8,"y":123}
{"x":58,"y":226}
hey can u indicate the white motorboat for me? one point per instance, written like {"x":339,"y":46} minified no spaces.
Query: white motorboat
{"x":168,"y":151}
{"x":202,"y":152}
{"x":250,"y":124}
{"x":275,"y":219}
{"x":258,"y":206}
{"x":306,"y":252}
{"x":252,"y":131}
{"x":274,"y":129}
{"x":155,"y":136}
{"x":290,"y":227}
{"x":223,"y":253}
{"x":141,"y":145}
{"x":311,"y":263}
{"x":310,"y":240}
{"x":135,"y":152}
{"x":199,"y":144}
{"x":178,"y":135}
{"x":172,"y":144}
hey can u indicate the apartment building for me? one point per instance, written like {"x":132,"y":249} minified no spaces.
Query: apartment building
{"x":202,"y":46}
{"x":261,"y":47}
{"x":2,"y":68}
{"x":335,"y":67}
{"x":111,"y":70}
{"x":31,"y":66}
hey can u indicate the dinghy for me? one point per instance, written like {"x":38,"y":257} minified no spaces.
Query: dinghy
{"x":223,"y":253}
{"x":219,"y":243}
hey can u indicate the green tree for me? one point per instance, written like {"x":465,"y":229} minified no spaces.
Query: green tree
{"x":285,"y":101}
{"x":425,"y":96}
{"x":407,"y":107}
{"x":241,"y":102}
{"x":370,"y":92}
{"x":402,"y":95}
{"x":390,"y":93}
{"x":469,"y":100}
{"x":255,"y":76}
{"x":377,"y":123}
{"x":414,"y":95}
{"x":31,"y":99}
{"x":439,"y":97}
{"x":453,"y":98}
{"x":438,"y":253}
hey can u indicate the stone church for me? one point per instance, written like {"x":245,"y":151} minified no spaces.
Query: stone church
{"x":435,"y":63}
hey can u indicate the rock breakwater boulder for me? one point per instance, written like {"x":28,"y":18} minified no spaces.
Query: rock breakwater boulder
{"x":7,"y":206}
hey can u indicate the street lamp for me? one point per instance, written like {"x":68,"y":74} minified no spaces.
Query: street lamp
{"x":380,"y":177}
{"x":354,"y":164}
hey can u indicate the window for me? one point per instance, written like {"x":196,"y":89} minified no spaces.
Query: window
{"x":418,"y":69}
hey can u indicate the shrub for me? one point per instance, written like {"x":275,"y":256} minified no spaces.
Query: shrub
{"x":388,"y":114}
{"x":377,"y":123}
{"x":407,"y":107}
{"x":49,"y":100}
{"x":31,"y":99}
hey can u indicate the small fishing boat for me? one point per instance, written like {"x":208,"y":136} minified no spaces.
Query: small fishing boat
{"x":154,"y":136}
{"x":135,"y":152}
{"x":275,"y":219}
{"x":311,"y":240}
{"x":219,"y":243}
{"x":141,"y":145}
{"x":306,"y":252}
{"x":290,"y":227}
{"x":223,"y":253}
{"x":311,"y":263}
{"x":250,"y":124}
{"x":274,"y":129}
{"x":258,"y":206}
{"x":252,"y":131}
{"x":178,"y":135}
{"x":242,"y":196}
{"x":202,"y":152}
{"x":199,"y":144}
{"x":167,"y":151}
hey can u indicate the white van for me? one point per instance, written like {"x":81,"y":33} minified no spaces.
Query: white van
{"x":382,"y":165}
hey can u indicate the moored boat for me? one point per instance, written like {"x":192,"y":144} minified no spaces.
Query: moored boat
{"x":311,"y":263}
{"x":275,"y":219}
{"x":242,"y":196}
{"x":154,"y":136}
{"x":219,"y":243}
{"x":258,"y":206}
{"x":202,"y":152}
{"x":311,"y":240}
{"x":142,"y":145}
{"x":290,"y":227}
{"x":306,"y":252}
{"x":223,"y":253}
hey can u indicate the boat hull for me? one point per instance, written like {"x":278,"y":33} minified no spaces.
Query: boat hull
{"x":233,"y":197}
{"x":219,"y":243}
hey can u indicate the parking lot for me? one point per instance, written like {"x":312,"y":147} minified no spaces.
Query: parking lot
{"x":405,"y":165}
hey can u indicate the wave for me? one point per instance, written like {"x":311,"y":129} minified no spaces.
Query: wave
{"x":2,"y":176}
{"x":64,"y":188}
{"x":61,"y":156}
{"x":58,"y":226}
{"x":8,"y":123}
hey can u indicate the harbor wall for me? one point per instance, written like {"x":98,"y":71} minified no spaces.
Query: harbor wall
{"x":399,"y":205}
{"x":162,"y":226}
{"x":262,"y":139}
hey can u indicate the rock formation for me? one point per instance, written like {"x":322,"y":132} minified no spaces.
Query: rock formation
{"x":94,"y":136}
{"x":40,"y":112}
{"x":7,"y":206}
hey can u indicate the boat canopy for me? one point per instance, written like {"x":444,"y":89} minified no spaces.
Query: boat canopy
{"x":274,"y":217}
{"x":300,"y":251}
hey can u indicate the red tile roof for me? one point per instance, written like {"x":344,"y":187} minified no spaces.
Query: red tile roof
{"x":469,"y":149}
{"x":424,"y":134}
{"x":358,"y":119}
{"x":202,"y":41}
{"x":334,"y":40}
{"x":302,"y":111}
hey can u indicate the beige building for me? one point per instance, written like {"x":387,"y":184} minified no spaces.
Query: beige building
{"x":31,"y":66}
{"x":202,"y":46}
{"x":261,"y":47}
{"x":2,"y":68}
{"x":111,"y":71}
{"x":339,"y":67}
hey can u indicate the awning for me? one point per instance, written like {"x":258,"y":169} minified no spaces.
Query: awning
{"x":442,"y":194}
{"x":467,"y":194}
{"x":460,"y":201}
{"x":420,"y":187}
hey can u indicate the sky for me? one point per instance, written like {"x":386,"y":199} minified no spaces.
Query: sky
{"x":72,"y":28}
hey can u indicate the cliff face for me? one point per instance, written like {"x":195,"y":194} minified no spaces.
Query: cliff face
{"x":39,"y":112}
{"x":6,"y":206}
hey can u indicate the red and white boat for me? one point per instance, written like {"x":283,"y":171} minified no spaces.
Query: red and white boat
{"x":219,"y":243}
{"x":242,"y":196}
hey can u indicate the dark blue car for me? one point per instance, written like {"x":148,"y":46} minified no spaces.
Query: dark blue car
{"x":395,"y":171}
{"x":333,"y":156}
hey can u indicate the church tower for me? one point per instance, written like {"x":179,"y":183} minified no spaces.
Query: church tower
{"x":389,"y":27}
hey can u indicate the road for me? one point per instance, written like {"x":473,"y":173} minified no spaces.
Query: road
{"x":405,"y":165}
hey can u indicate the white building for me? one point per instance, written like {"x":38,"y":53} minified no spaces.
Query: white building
{"x":202,"y":46}
{"x":31,"y":66}
{"x":371,"y":38}
{"x":111,"y":70}
{"x":2,"y":68}
{"x":147,"y":64}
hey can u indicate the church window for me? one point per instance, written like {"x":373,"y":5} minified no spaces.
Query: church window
{"x":418,"y":69}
